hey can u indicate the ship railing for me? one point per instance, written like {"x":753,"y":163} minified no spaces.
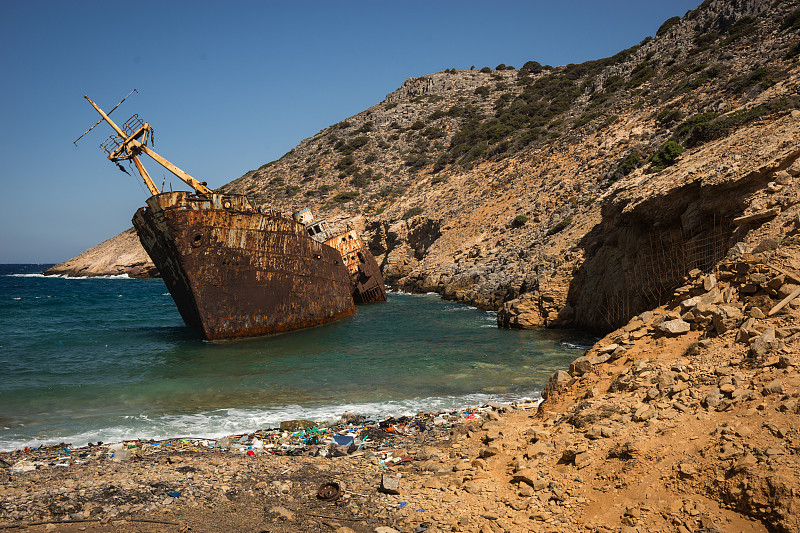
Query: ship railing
{"x":132,"y":125}
{"x":111,"y":144}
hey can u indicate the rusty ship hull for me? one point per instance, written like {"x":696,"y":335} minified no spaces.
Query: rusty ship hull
{"x":234,"y":271}
{"x":365,"y":274}
{"x":367,"y":283}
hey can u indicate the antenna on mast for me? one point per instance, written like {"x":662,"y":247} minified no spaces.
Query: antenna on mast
{"x":131,"y":140}
{"x":75,"y":142}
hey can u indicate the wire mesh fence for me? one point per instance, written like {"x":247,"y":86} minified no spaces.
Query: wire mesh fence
{"x":652,"y":277}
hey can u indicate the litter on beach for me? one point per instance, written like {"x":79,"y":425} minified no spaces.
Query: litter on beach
{"x":350,"y":435}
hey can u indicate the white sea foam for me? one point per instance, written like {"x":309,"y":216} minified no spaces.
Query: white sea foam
{"x":463,"y":307}
{"x":574,"y":346}
{"x":62,"y":276}
{"x":222,"y":422}
{"x":404,"y":293}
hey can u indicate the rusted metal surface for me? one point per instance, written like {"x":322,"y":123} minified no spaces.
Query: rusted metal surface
{"x":368,"y":284}
{"x":235,"y":272}
{"x":365,"y":275}
{"x":329,"y":491}
{"x":349,"y":245}
{"x":131,"y":140}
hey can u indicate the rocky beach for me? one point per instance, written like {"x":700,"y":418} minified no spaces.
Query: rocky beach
{"x":685,"y":419}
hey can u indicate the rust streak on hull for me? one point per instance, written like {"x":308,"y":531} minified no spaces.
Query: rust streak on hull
{"x":365,"y":275}
{"x":236,"y":272}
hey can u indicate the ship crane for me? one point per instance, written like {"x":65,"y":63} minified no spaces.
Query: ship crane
{"x":131,"y":140}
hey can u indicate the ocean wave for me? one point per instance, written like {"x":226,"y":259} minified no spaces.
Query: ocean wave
{"x":462,"y":307}
{"x":63,"y":276}
{"x":575,"y":346}
{"x":222,"y":422}
{"x":404,"y":293}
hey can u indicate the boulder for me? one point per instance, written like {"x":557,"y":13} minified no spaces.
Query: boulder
{"x":787,"y":289}
{"x":539,"y":449}
{"x":524,"y":312}
{"x":582,"y":460}
{"x":727,"y":317}
{"x":556,"y":382}
{"x":674,"y":327}
{"x":608,"y":348}
{"x":765,"y":344}
{"x":773,"y":387}
{"x":580,"y":366}
{"x":390,"y":484}
{"x":527,"y":475}
{"x":712,"y":296}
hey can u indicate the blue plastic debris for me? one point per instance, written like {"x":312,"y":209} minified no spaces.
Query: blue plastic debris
{"x":343,"y":440}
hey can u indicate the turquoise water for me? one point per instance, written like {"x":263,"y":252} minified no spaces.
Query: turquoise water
{"x":109,"y":359}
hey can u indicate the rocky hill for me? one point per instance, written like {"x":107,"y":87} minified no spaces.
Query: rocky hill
{"x":578,"y":195}
{"x":118,"y":255}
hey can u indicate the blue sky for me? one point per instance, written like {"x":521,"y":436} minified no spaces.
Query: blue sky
{"x":230,"y":86}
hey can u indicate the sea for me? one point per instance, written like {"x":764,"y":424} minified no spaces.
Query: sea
{"x":110,"y":359}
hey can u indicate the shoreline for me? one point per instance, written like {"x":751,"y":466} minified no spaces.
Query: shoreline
{"x":685,"y":419}
{"x":326,"y":424}
{"x":348,"y":424}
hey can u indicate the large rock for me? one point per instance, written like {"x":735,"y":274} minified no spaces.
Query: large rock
{"x":118,"y":255}
{"x":727,"y":317}
{"x":390,"y":484}
{"x":556,"y":382}
{"x":674,"y":327}
{"x":765,"y":343}
{"x":580,"y":366}
{"x":524,"y":313}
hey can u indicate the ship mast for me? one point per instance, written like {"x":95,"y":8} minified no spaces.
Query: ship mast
{"x":131,"y":140}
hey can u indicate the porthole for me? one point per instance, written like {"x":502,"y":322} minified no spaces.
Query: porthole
{"x":197,"y":240}
{"x":226,"y":204}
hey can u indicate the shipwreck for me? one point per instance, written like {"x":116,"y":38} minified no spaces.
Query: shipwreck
{"x":237,"y":270}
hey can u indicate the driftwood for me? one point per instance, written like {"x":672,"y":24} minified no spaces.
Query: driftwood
{"x":784,"y":302}
{"x":757,"y":216}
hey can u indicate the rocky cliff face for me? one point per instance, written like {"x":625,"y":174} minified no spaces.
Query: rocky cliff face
{"x":122,"y":254}
{"x":570,"y":196}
